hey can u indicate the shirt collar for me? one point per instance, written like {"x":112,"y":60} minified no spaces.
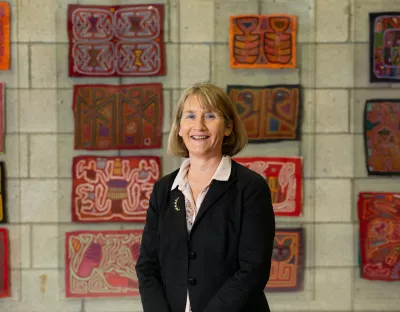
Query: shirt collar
{"x":222,"y":173}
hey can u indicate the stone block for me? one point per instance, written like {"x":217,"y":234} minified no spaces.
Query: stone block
{"x":45,"y":248}
{"x":38,"y":110}
{"x":41,"y":29}
{"x":195,"y":64}
{"x":43,"y":156}
{"x":39,"y":200}
{"x":334,"y":156}
{"x":332,"y":111}
{"x":196,"y":20}
{"x":335,"y":66}
{"x":332,"y":20}
{"x":43,"y":69}
{"x":333,"y":200}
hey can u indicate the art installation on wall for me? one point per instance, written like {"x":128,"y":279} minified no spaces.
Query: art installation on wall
{"x":125,"y":40}
{"x":262,"y":41}
{"x":270,"y":113}
{"x":384,"y":47}
{"x":287,"y":268}
{"x":2,"y":117}
{"x":107,"y":189}
{"x":4,"y":264}
{"x":101,"y":263}
{"x":382,"y":136}
{"x":2,"y":193}
{"x":118,"y":116}
{"x":284,"y":177}
{"x":5,"y":36}
{"x":379,"y":216}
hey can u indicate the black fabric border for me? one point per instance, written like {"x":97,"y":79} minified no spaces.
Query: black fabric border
{"x":370,"y":172}
{"x":372,"y":77}
{"x":3,"y":192}
{"x":300,"y":113}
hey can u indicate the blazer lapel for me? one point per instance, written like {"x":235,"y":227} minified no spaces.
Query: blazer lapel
{"x":178,"y":211}
{"x":217,"y":189}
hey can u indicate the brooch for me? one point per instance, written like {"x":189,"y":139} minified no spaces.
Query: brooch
{"x":176,"y":204}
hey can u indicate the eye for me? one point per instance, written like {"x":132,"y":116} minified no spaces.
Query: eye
{"x":190,"y":116}
{"x":210,"y":115}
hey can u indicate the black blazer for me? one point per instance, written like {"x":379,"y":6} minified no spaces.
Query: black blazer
{"x":224,"y":262}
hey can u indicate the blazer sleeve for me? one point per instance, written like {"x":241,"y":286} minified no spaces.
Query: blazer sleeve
{"x":148,"y":267}
{"x":255,"y":251}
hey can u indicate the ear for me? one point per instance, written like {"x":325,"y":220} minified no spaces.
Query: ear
{"x":228,"y":129}
{"x":179,"y":132}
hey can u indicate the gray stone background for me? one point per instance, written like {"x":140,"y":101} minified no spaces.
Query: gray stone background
{"x":332,"y":52}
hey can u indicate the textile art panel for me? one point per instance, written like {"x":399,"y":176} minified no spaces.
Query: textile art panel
{"x":262,"y":41}
{"x":106,"y":189}
{"x":382,"y":137}
{"x":102,"y":263}
{"x":118,"y":117}
{"x":4,"y":36}
{"x":126,"y":40}
{"x":2,"y":117}
{"x":270,"y":113}
{"x":2,"y":193}
{"x":284,"y":177}
{"x":4,"y":280}
{"x":379,"y":215}
{"x":384,"y":47}
{"x":287,"y":268}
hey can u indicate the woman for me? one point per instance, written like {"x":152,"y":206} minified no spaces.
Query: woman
{"x":209,"y":232}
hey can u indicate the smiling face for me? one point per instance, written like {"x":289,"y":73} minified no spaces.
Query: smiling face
{"x":202,"y":130}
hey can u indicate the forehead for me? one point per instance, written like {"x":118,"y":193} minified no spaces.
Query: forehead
{"x":196,"y":103}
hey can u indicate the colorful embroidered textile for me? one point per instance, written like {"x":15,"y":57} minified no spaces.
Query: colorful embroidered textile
{"x":102,"y":263}
{"x":384,"y":46}
{"x":4,"y":36}
{"x":4,"y":282}
{"x":270,"y":113}
{"x":284,"y":177}
{"x":125,"y":40}
{"x":118,"y":117}
{"x":2,"y":117}
{"x":287,"y":267}
{"x":382,"y":137}
{"x":109,"y":189}
{"x":2,"y":193}
{"x":379,"y":215}
{"x":262,"y":41}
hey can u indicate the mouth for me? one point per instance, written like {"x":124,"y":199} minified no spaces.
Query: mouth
{"x":199,"y":137}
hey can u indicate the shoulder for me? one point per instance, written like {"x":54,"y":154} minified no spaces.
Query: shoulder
{"x":248,"y":178}
{"x":165,"y":183}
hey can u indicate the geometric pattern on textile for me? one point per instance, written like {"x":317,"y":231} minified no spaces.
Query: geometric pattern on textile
{"x":2,"y":193}
{"x":118,"y":117}
{"x":287,"y":267}
{"x":101,"y":263}
{"x":126,"y":40}
{"x":384,"y":47}
{"x":4,"y":36}
{"x":262,"y":41}
{"x":379,"y":216}
{"x":4,"y":254}
{"x":270,"y":113}
{"x":2,"y":117}
{"x":113,"y":189}
{"x":382,"y":136}
{"x":284,"y":177}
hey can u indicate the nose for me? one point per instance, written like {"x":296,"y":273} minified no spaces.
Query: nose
{"x":200,"y":123}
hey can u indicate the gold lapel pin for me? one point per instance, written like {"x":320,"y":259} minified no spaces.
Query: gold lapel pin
{"x":176,"y":204}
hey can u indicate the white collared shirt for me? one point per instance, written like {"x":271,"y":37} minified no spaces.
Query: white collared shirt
{"x":222,"y":173}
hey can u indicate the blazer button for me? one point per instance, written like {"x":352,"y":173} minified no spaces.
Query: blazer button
{"x":192,"y":281}
{"x":192,"y":255}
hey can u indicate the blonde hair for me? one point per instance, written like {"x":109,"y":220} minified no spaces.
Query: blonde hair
{"x":213,"y":99}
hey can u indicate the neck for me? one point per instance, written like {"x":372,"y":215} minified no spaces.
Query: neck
{"x":203,"y":167}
